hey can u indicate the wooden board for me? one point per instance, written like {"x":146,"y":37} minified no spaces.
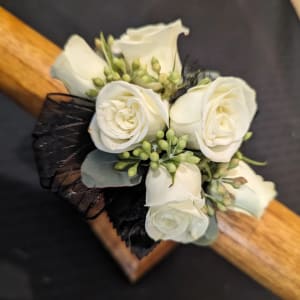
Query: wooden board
{"x":296,"y":4}
{"x":267,"y":249}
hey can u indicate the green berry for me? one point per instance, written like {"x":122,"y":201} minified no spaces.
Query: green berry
{"x":154,"y":165}
{"x":247,"y":136}
{"x":171,"y":167}
{"x":132,"y":171}
{"x":146,"y":146}
{"x":144,"y":156}
{"x":174,"y":140}
{"x":110,"y":40}
{"x":136,"y":64}
{"x":154,"y":61}
{"x":193,"y":160}
{"x":181,"y":143}
{"x":124,"y":155}
{"x":154,"y":156}
{"x":116,"y":76}
{"x":170,"y":134}
{"x":146,"y":79}
{"x":137,"y":151}
{"x":156,"y":68}
{"x":163,"y":145}
{"x":126,"y":77}
{"x":107,"y":71}
{"x":98,"y":82}
{"x":109,"y":77}
{"x":155,"y":65}
{"x":175,"y":77}
{"x":139,"y":73}
{"x":160,"y":134}
{"x":180,"y":158}
{"x":121,"y":165}
{"x":120,"y":64}
{"x":92,"y":93}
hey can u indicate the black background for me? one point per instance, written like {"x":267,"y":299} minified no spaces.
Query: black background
{"x":47,"y":251}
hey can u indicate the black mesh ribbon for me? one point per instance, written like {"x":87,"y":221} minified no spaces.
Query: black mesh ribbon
{"x":61,"y":143}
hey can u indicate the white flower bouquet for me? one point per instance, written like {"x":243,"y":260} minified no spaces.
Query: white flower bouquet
{"x":176,"y":130}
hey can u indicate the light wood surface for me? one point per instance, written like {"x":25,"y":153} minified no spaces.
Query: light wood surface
{"x":296,"y":4}
{"x":25,"y":57}
{"x":267,"y":249}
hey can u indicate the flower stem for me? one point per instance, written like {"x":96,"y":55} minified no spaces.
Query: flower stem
{"x":210,"y":197}
{"x":251,"y":161}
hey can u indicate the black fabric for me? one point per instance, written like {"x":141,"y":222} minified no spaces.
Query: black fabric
{"x":47,"y":251}
{"x":127,"y":212}
{"x":60,"y":143}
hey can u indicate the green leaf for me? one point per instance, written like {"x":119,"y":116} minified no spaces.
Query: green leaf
{"x":98,"y":171}
{"x":211,"y":233}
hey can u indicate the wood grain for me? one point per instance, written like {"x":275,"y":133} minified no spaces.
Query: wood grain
{"x":267,"y":249}
{"x":25,"y":57}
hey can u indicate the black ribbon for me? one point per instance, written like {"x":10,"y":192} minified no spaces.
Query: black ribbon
{"x":61,"y":143}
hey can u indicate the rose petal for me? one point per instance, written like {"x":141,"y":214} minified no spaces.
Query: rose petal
{"x":77,"y":66}
{"x":158,"y":41}
{"x":187,"y":185}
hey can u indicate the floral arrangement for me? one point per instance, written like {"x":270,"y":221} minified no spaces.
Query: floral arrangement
{"x":176,"y":129}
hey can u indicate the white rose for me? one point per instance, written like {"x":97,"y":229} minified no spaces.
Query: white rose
{"x":77,"y":65}
{"x":159,"y":41}
{"x":175,"y":210}
{"x":254,"y":196}
{"x":125,"y":115}
{"x":216,"y":116}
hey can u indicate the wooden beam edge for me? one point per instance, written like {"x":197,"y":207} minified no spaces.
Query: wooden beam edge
{"x":134,"y":267}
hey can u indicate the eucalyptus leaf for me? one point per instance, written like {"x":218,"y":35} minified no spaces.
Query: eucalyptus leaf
{"x":97,"y":171}
{"x":211,"y":233}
